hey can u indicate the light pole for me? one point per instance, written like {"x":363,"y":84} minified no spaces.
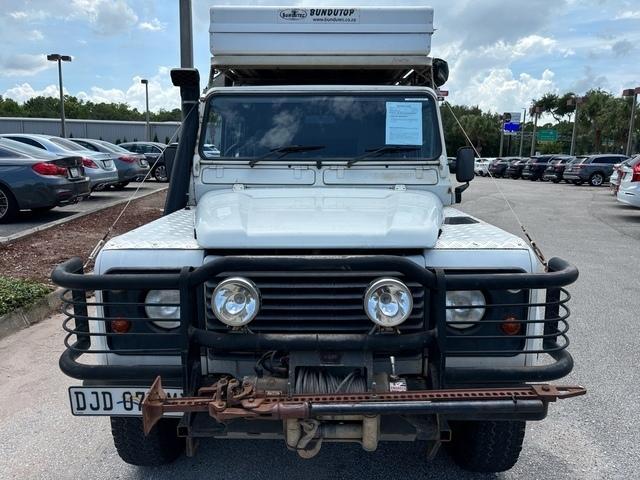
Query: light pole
{"x":146,"y":91}
{"x":56,"y":57}
{"x":633,"y":93}
{"x":571,"y":102}
{"x":524,"y":122}
{"x":536,"y":113}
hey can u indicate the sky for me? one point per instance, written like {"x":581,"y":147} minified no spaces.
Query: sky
{"x":501,"y":54}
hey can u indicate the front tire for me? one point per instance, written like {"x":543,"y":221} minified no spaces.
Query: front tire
{"x":160,"y":447}
{"x":486,"y":446}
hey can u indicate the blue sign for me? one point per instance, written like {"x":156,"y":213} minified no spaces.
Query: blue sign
{"x":511,"y":127}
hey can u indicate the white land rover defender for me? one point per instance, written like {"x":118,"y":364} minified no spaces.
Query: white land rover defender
{"x":310,"y":280}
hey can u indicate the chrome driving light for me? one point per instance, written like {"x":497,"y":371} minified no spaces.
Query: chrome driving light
{"x":467,"y":306}
{"x":388,"y":302}
{"x":164,"y":312}
{"x":235,"y":301}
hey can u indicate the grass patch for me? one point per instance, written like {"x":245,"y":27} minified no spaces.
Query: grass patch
{"x":15,"y":293}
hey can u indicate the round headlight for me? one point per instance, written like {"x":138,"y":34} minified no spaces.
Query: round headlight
{"x":388,"y":302}
{"x":164,"y":312}
{"x":468,"y":306}
{"x":235,"y":301}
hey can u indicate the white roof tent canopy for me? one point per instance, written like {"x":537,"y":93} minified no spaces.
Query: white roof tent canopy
{"x":262,"y":45}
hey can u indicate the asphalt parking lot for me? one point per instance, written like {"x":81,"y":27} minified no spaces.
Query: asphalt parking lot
{"x":28,"y":220}
{"x":592,"y":437}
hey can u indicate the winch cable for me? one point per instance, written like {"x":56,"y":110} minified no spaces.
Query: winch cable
{"x":531,"y":241}
{"x":132,"y":197}
{"x":316,"y":381}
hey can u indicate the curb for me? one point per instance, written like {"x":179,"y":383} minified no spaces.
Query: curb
{"x":61,"y":221}
{"x":24,"y":317}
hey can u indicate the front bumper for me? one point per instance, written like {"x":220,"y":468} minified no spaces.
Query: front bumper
{"x":435,"y":339}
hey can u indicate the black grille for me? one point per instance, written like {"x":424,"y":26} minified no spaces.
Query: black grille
{"x":318,"y":302}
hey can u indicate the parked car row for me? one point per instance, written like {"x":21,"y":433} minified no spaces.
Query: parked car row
{"x":622,"y":172}
{"x":592,"y":169}
{"x":40,"y":172}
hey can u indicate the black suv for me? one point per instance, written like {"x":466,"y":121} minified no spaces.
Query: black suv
{"x":153,"y":153}
{"x":595,"y":169}
{"x":498,"y":167}
{"x":514,"y":170}
{"x":555,"y":169}
{"x":534,"y":169}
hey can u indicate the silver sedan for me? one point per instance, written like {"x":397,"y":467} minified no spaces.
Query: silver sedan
{"x":99,"y":167}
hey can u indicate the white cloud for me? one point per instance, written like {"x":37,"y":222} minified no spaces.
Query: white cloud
{"x":154,"y":25}
{"x":106,"y":17}
{"x":162,"y":93}
{"x":23,"y":65}
{"x":18,"y":15}
{"x":501,"y":91}
{"x":23,"y":92}
{"x":629,"y":14}
{"x":34,"y":35}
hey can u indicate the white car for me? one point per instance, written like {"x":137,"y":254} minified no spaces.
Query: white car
{"x":482,"y":166}
{"x":629,"y":190}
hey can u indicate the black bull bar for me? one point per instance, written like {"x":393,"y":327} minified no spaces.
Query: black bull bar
{"x":435,"y":337}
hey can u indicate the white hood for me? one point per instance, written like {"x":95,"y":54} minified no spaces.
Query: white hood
{"x":318,"y":218}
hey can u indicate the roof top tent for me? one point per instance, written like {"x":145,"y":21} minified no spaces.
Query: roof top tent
{"x":260,"y":45}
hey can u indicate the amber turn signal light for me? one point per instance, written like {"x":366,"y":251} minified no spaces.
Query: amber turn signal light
{"x":510,"y":326}
{"x":120,"y":325}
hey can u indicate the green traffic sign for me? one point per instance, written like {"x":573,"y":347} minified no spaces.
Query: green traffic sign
{"x":547,"y":135}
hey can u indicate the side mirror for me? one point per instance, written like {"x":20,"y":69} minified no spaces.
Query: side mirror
{"x":465,"y":163}
{"x":465,"y":170}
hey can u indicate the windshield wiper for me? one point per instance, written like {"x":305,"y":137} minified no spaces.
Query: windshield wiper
{"x":286,"y":150}
{"x":377,"y":152}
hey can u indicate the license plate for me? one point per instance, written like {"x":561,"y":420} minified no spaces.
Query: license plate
{"x":108,"y":164}
{"x":74,"y":172}
{"x":112,"y":401}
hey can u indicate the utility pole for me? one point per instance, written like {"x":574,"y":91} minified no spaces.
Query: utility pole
{"x":524,"y":122}
{"x":633,"y":93}
{"x":536,"y":113}
{"x":574,"y":101}
{"x":186,"y":35}
{"x":56,"y":57}
{"x":146,"y":91}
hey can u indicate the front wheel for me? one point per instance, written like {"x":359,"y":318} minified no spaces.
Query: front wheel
{"x":160,"y":447}
{"x":596,"y":179}
{"x":486,"y":446}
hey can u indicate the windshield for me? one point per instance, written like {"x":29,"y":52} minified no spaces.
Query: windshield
{"x":321,"y":127}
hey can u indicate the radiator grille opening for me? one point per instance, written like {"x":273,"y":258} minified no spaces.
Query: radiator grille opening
{"x":318,"y":302}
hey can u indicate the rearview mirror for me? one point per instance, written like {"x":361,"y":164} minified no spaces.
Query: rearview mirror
{"x":465,"y":163}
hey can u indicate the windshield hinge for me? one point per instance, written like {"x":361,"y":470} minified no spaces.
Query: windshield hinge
{"x":238,"y":187}
{"x":400,"y":188}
